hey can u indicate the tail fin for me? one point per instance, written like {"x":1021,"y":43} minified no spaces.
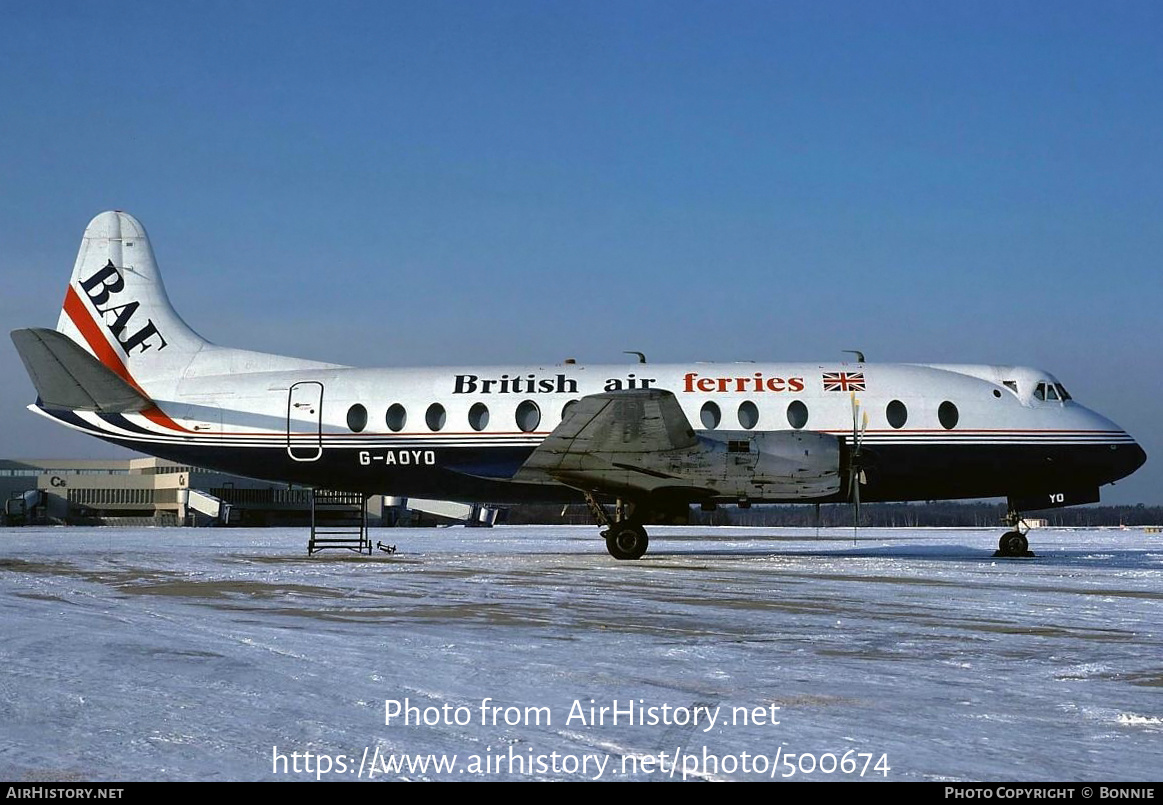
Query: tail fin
{"x":116,"y":307}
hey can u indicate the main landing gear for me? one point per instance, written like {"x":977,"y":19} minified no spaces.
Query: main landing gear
{"x":625,"y":539}
{"x":1013,"y":543}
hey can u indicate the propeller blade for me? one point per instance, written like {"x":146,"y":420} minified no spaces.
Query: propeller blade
{"x":855,"y":510}
{"x":855,"y":471}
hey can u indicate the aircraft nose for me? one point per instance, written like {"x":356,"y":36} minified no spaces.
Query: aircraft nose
{"x":1135,"y":457}
{"x":1123,"y":460}
{"x":1120,"y":456}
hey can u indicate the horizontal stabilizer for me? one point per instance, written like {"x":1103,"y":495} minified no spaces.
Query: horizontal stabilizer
{"x":67,"y":376}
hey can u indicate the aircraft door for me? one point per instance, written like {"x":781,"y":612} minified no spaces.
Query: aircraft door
{"x":305,"y":421}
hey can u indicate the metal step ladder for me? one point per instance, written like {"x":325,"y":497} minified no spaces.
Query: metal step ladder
{"x":338,"y":520}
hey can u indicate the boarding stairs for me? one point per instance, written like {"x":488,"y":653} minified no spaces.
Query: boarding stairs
{"x":338,"y":520}
{"x":202,"y":506}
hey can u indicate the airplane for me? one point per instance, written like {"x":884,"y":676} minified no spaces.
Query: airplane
{"x":640,"y":443}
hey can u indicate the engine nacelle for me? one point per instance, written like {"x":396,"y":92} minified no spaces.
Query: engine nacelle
{"x":774,"y":464}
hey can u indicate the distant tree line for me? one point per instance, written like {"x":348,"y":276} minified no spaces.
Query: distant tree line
{"x":941,"y":514}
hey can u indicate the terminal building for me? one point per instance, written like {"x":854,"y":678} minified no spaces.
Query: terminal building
{"x":154,"y":492}
{"x":142,"y":491}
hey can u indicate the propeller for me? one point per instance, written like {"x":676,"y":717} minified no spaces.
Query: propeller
{"x":856,"y":475}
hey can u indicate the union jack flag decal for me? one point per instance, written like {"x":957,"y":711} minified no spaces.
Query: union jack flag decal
{"x":844,"y":381}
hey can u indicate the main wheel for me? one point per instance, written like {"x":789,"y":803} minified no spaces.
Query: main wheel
{"x":1013,"y":543}
{"x":627,"y":541}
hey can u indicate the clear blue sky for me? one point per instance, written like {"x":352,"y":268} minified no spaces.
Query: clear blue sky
{"x":390,"y":183}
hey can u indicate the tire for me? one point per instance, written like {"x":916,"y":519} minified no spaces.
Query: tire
{"x":627,"y":541}
{"x":1013,"y":543}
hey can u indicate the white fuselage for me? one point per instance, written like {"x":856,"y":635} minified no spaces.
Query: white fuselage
{"x":407,"y":431}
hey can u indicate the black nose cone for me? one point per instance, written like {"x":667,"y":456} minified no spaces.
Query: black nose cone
{"x":1125,"y":459}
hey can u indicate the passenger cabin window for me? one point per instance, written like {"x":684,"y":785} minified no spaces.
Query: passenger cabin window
{"x":356,"y":418}
{"x":710,"y":415}
{"x":396,"y":417}
{"x":797,"y":414}
{"x":947,"y":414}
{"x":897,"y":414}
{"x":435,"y":417}
{"x":478,"y":416}
{"x":748,"y":415}
{"x":528,"y":416}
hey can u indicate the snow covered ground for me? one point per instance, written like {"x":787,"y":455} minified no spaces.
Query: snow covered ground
{"x":183,"y":654}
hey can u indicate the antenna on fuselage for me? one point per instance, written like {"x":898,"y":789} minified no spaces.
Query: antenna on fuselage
{"x":641,"y":357}
{"x":859,"y":355}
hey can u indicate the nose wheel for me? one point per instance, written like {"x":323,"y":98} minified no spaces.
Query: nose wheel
{"x":1013,"y":543}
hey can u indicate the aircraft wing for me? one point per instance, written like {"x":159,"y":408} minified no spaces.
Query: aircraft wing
{"x":66,"y":376}
{"x":640,"y":441}
{"x":615,"y":442}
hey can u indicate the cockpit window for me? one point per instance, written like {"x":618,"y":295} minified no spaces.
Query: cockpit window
{"x":1012,"y":385}
{"x":1050,"y":391}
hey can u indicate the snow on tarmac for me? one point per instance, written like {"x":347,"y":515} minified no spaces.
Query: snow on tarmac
{"x":909,"y":654}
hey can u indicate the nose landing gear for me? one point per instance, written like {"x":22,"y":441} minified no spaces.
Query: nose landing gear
{"x":1013,"y":544}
